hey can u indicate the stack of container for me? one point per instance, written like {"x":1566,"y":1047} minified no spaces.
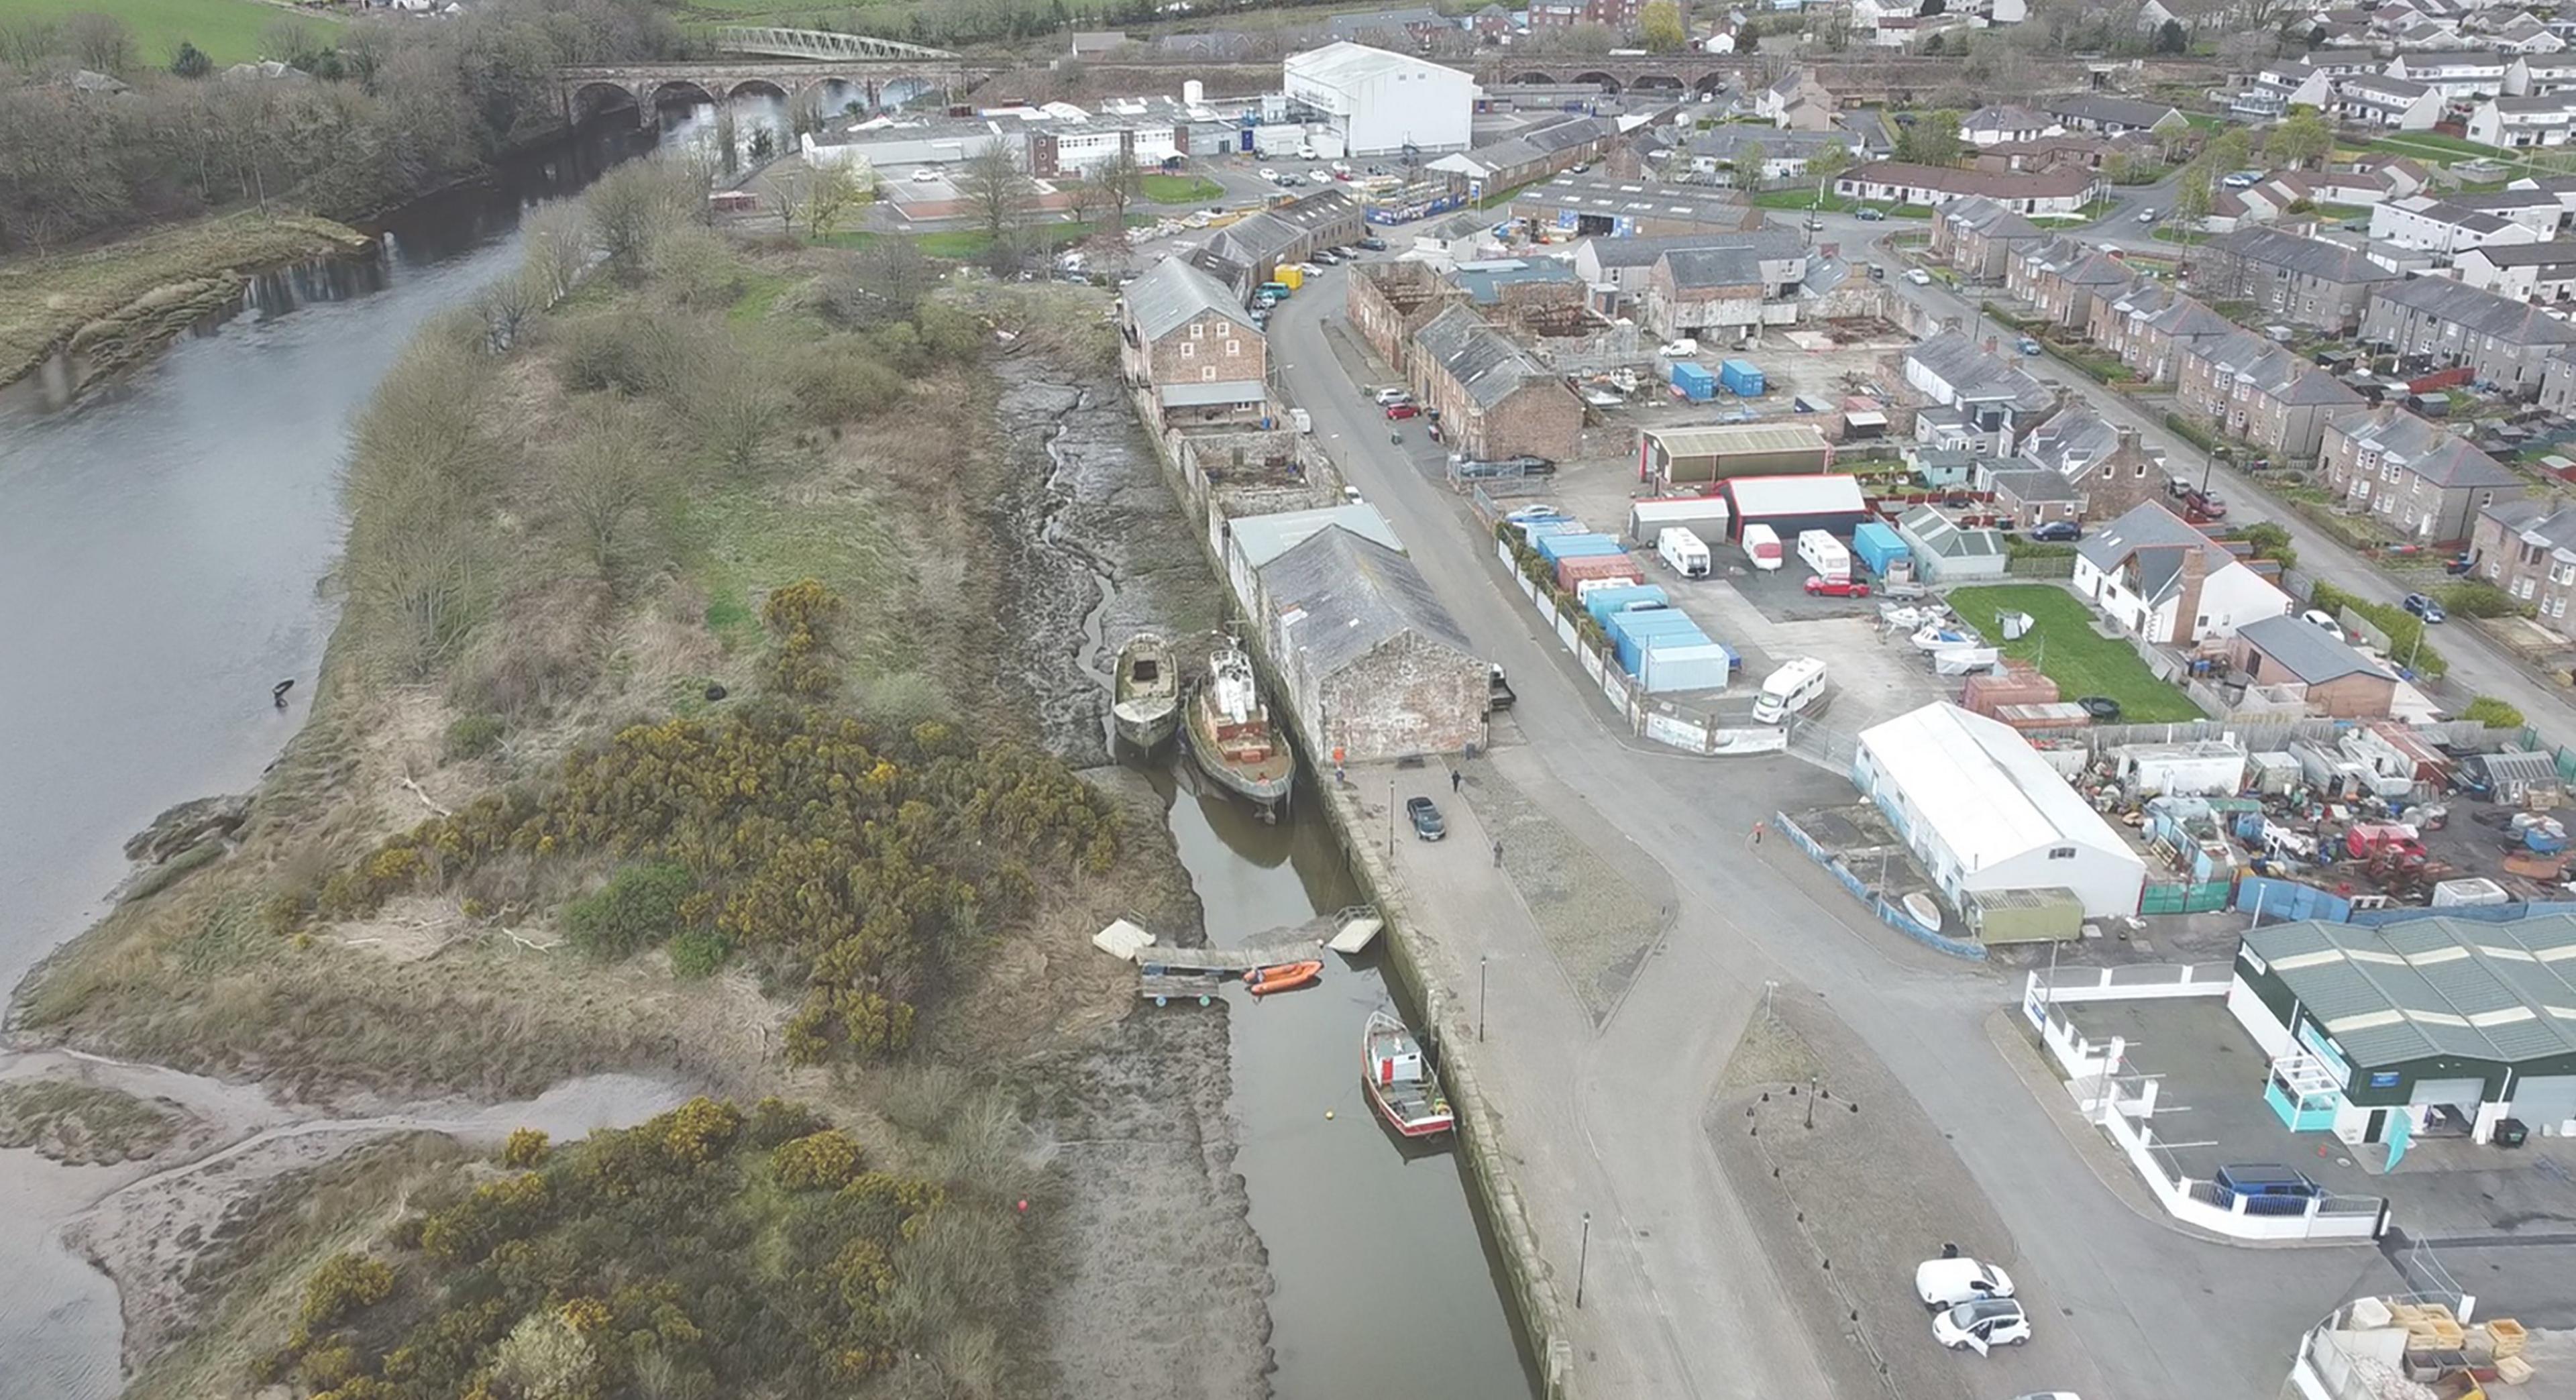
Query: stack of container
{"x":1574,"y":544}
{"x":1603,"y":602}
{"x":1572,"y":573}
{"x":1666,"y":651}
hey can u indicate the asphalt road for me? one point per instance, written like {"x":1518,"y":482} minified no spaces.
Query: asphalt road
{"x":2484,"y":667}
{"x":2154,"y":1313}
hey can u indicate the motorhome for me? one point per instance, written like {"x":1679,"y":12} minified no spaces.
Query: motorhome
{"x":1684,"y":551}
{"x":1824,"y":554}
{"x":1762,"y":546}
{"x":1797,"y":685}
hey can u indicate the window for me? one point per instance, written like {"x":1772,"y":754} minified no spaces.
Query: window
{"x":1198,"y":330}
{"x":1188,"y":350}
{"x":1234,"y":347}
{"x":2061,"y":853}
{"x":2522,"y":588}
{"x":1208,"y":374}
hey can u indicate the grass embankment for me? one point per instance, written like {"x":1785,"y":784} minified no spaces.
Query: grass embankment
{"x":82,"y":1123}
{"x":660,"y":730}
{"x":125,"y":297}
{"x":2070,"y":652}
{"x":227,"y":31}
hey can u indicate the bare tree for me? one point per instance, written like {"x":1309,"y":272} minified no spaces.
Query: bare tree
{"x":1121,"y":180}
{"x":26,"y":41}
{"x":99,"y":42}
{"x":606,"y":478}
{"x":506,"y":305}
{"x":558,"y":247}
{"x":998,"y":192}
{"x":831,"y":192}
{"x":787,"y":198}
{"x":634,"y":205}
{"x":739,"y":407}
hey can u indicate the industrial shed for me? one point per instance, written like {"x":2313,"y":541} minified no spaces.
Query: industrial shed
{"x":1789,"y":504}
{"x":1375,"y":668}
{"x":1946,"y":551}
{"x":2448,"y":1024}
{"x":1715,"y":451}
{"x":1985,"y":813}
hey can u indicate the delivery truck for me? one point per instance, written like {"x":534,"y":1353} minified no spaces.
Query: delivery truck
{"x":1684,"y":551}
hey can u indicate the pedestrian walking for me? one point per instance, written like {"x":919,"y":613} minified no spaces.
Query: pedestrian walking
{"x":1455,"y":778}
{"x":1757,"y":833}
{"x":1498,"y":855}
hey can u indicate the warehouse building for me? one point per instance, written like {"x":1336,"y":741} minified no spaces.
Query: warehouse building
{"x":1492,"y":398}
{"x":1596,"y":206}
{"x":2431,"y":1027}
{"x":1985,"y":813}
{"x":1374,"y":666}
{"x":1382,"y":103}
{"x":1790,"y":504}
{"x":1709,"y":452}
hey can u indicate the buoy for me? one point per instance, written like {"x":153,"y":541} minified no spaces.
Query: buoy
{"x":1328,"y":1115}
{"x":1024,"y":1207}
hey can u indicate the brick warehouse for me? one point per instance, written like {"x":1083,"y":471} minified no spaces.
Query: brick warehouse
{"x":1373,"y":665}
{"x":1388,"y":302}
{"x":1493,"y":399}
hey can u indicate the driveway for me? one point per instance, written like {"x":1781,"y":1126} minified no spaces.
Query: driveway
{"x":2158,"y":1314}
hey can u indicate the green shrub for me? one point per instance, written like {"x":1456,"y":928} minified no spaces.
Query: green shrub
{"x":2479,"y":598}
{"x":346,"y":1283}
{"x":637,"y":908}
{"x":824,"y":1161}
{"x":2191,"y":432}
{"x":527,"y":1147}
{"x":2270,"y":541}
{"x":2493,"y":713}
{"x":472,"y":736}
{"x":2405,"y":630}
{"x":699,"y":952}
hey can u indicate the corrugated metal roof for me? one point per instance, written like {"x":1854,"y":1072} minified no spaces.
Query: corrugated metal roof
{"x":1981,"y":786}
{"x":1262,"y":538}
{"x":1707,"y":439}
{"x":2502,"y":992}
{"x":1200,"y":394}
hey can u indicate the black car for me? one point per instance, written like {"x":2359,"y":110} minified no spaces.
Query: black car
{"x":2425,"y":608}
{"x":2058,"y":532}
{"x":1373,"y":243}
{"x":1426,"y":818}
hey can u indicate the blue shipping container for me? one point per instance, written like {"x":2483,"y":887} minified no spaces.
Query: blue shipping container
{"x":1693,"y":382}
{"x":1629,"y":632}
{"x":1632,"y":650}
{"x":1877,"y":545}
{"x":1742,"y":378}
{"x":1605,"y":601}
{"x":1554,"y":548}
{"x":1670,"y":667}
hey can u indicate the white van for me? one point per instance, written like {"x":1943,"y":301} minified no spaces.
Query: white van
{"x":1824,"y":554}
{"x":1301,"y":420}
{"x":1683,"y":550}
{"x":1762,"y":546}
{"x":1790,"y":690}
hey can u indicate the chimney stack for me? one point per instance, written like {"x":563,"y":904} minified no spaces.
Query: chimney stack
{"x":2195,"y":572}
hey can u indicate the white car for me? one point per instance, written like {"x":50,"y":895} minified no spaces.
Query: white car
{"x":925,"y":175}
{"x":1946,"y":1283}
{"x":1918,"y":277}
{"x":2320,"y":617}
{"x":1388,"y":398}
{"x":1267,"y":173}
{"x":1676,"y":349}
{"x":2146,"y":216}
{"x":1982,"y":1326}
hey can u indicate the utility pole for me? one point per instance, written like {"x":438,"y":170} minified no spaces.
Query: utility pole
{"x":1480,"y":998}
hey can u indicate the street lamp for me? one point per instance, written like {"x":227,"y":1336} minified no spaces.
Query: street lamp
{"x":1582,"y":1257}
{"x":1480,"y":997}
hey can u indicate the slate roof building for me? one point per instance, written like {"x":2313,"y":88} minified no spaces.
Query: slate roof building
{"x":2426,"y":482}
{"x":2164,"y":580}
{"x":2340,"y":683}
{"x":1184,"y":334}
{"x":2450,"y":1024}
{"x":2265,"y":393}
{"x":1494,"y":400}
{"x":2506,"y":343}
{"x":1374,"y":666}
{"x":2305,"y":281}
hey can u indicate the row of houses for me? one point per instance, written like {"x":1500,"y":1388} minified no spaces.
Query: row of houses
{"x":1493,"y":397}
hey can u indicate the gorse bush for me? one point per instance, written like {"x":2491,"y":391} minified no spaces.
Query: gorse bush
{"x":638,"y":908}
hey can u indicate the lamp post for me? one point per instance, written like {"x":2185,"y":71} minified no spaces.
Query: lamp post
{"x":1480,"y":997}
{"x":1390,"y":817}
{"x":1582,"y":1258}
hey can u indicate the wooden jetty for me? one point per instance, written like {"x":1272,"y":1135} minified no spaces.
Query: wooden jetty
{"x":1166,"y":974}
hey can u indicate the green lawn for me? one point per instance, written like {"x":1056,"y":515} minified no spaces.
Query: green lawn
{"x":2435,"y":146}
{"x":2080,"y":660}
{"x":1181,"y":189}
{"x":1800,"y":198}
{"x":228,"y":30}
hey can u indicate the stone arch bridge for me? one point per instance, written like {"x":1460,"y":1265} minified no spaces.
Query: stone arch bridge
{"x":788,"y":64}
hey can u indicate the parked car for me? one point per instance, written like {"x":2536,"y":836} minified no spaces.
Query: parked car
{"x":1373,"y":243}
{"x":1425,"y":817}
{"x":2424,"y":607}
{"x":2058,"y":532}
{"x":1869,"y":214}
{"x":1946,"y":1283}
{"x":1395,"y":411}
{"x":1982,"y":1325}
{"x":2146,"y":216}
{"x":1918,"y":277}
{"x":926,"y":175}
{"x":1677,"y":349}
{"x":1384,"y":397}
{"x":1821,"y":587}
{"x":1267,"y":173}
{"x":1328,"y":257}
{"x":2319,"y":617}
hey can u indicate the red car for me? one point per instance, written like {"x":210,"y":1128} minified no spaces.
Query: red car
{"x":1402,"y":410}
{"x":1836,"y":587}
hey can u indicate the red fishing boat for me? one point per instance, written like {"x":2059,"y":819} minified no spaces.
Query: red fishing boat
{"x":1401,"y":1080}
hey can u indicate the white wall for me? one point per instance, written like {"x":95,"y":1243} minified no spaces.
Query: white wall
{"x":1382,"y":110}
{"x":2107,"y":881}
{"x":2237,"y":595}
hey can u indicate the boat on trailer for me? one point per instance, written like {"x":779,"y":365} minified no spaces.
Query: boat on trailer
{"x":1401,"y":1080}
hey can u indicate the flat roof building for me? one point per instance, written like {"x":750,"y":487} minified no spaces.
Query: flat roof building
{"x":1382,"y":103}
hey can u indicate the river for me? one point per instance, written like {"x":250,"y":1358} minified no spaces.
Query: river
{"x":164,"y":548}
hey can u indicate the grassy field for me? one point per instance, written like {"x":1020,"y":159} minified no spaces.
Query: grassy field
{"x":2080,"y":660}
{"x":228,"y":30}
{"x":1181,"y":189}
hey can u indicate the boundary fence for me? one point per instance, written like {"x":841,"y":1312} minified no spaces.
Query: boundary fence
{"x":1889,"y":914}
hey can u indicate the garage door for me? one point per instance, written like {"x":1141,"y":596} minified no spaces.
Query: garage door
{"x":2462,"y":1094}
{"x":2544,"y":1102}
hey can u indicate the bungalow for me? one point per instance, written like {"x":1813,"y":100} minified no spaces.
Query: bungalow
{"x":2444,"y":228}
{"x":1988,"y":126}
{"x":1493,"y":399}
{"x":2380,"y":100}
{"x":2105,"y":115}
{"x":2029,"y":497}
{"x":2535,"y":272}
{"x":2264,"y":393}
{"x":2503,"y":342}
{"x":2304,"y":281}
{"x":2338,"y":681}
{"x":2424,"y":482}
{"x":2542,"y":119}
{"x":2063,"y":191}
{"x":1186,"y":337}
{"x":1979,"y":237}
{"x":1784,"y":153}
{"x":2368,"y":182}
{"x":2457,"y":77}
{"x":2165,"y":581}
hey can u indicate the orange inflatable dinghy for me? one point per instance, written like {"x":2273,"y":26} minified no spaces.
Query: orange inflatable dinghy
{"x":1282,"y":977}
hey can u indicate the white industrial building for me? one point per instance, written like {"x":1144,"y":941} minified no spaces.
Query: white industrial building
{"x":1985,"y":813}
{"x":1381,"y":103}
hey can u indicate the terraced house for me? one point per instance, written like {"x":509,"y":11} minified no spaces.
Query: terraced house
{"x":2424,"y":483}
{"x":2064,"y":279}
{"x":2304,"y":281}
{"x":2263,"y":393}
{"x":2528,"y":550}
{"x":2537,"y":272}
{"x":2150,"y":327}
{"x":1979,"y":238}
{"x":2506,"y":343}
{"x":1493,"y":399}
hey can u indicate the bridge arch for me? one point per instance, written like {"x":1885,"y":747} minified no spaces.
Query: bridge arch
{"x":1710,"y":81}
{"x":1609,"y":85}
{"x":759,"y":87}
{"x":1532,"y":77}
{"x":598,"y":99}
{"x":670,"y":91}
{"x":1657,"y":82}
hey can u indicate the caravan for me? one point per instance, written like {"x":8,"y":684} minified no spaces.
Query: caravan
{"x":1683,"y":550}
{"x":1789,"y":690}
{"x":1762,"y":546}
{"x":1825,"y":554}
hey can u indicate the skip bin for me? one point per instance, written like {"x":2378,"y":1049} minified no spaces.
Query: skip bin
{"x":1742,"y":378}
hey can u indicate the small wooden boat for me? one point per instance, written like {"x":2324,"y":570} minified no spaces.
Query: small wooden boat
{"x":1401,"y":1080}
{"x":1147,"y":701}
{"x":1282,"y":977}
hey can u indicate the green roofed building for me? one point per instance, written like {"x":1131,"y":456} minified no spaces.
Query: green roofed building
{"x":2451,"y":1023}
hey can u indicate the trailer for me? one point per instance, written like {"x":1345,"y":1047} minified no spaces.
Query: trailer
{"x":1693,"y":382}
